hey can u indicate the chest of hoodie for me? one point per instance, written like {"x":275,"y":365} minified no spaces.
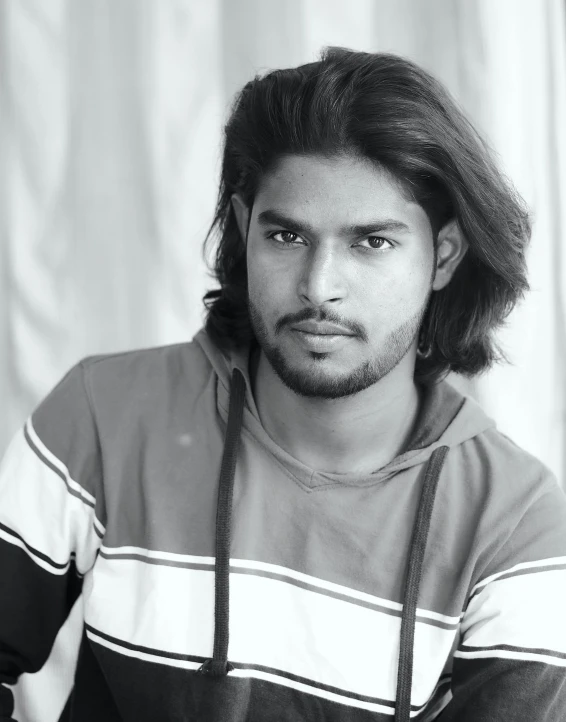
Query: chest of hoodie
{"x":317,"y":565}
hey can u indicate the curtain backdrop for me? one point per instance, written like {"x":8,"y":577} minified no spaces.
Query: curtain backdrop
{"x":110,"y":122}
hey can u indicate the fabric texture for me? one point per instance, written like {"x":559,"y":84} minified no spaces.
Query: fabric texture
{"x":112,"y":486}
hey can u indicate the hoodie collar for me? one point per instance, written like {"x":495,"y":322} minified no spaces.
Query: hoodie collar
{"x":446,"y":417}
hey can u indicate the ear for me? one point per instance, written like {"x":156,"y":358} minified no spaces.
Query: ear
{"x":451,"y":249}
{"x":242,"y":215}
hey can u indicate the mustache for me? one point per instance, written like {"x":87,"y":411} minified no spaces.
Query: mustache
{"x":320,"y":316}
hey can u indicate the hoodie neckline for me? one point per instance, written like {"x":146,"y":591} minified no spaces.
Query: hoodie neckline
{"x":446,"y":418}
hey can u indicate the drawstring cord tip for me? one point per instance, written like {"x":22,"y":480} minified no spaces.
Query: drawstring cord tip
{"x":215,"y":668}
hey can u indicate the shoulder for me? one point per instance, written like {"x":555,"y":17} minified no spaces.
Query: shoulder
{"x":148,"y":374}
{"x":503,"y":469}
{"x":170,"y":360}
{"x":113,"y":385}
{"x":523,"y":507}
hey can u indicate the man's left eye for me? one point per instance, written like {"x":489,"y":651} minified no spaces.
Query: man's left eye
{"x":378,"y":241}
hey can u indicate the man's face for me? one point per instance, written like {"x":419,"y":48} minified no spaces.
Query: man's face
{"x":309,"y":259}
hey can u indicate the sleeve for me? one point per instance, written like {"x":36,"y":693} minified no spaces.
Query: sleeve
{"x":510,"y":663}
{"x":51,"y":526}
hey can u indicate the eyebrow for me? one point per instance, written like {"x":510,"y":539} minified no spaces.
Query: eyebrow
{"x":276,"y":218}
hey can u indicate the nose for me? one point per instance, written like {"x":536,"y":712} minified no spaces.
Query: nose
{"x":322,"y":279}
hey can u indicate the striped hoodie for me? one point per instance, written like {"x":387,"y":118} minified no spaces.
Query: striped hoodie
{"x":225,"y":581}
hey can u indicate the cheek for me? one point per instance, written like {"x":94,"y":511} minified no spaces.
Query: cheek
{"x":411,"y":290}
{"x":255,"y":278}
{"x":264,"y":288}
{"x":393,"y":297}
{"x":267,"y":281}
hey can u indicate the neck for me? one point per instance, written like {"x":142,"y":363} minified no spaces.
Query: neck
{"x":358,"y":434}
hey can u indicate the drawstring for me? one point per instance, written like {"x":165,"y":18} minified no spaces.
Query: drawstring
{"x":219,"y":666}
{"x":412,"y":582}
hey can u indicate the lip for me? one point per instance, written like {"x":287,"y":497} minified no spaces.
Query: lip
{"x":321,"y":329}
{"x":321,"y":342}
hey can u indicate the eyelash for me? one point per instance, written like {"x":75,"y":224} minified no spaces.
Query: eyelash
{"x":292,"y":243}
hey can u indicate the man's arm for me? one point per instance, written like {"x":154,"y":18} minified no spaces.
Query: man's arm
{"x":50,"y":527}
{"x":511,"y":660}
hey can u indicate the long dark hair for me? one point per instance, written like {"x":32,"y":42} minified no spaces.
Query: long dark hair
{"x":384,"y":108}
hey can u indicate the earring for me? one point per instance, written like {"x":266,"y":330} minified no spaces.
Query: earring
{"x":424,"y":348}
{"x":424,"y":354}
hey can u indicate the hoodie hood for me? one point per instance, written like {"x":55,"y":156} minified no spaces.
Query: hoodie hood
{"x":446,"y":418}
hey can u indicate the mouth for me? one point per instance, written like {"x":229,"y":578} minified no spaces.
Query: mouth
{"x":326,"y":334}
{"x":321,"y":329}
{"x":321,"y":341}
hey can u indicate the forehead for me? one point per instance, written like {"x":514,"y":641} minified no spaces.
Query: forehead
{"x":340,"y":189}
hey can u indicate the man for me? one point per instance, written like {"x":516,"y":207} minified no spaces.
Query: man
{"x":294,"y":517}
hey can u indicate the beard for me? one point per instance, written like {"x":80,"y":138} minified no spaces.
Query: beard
{"x":314,"y":382}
